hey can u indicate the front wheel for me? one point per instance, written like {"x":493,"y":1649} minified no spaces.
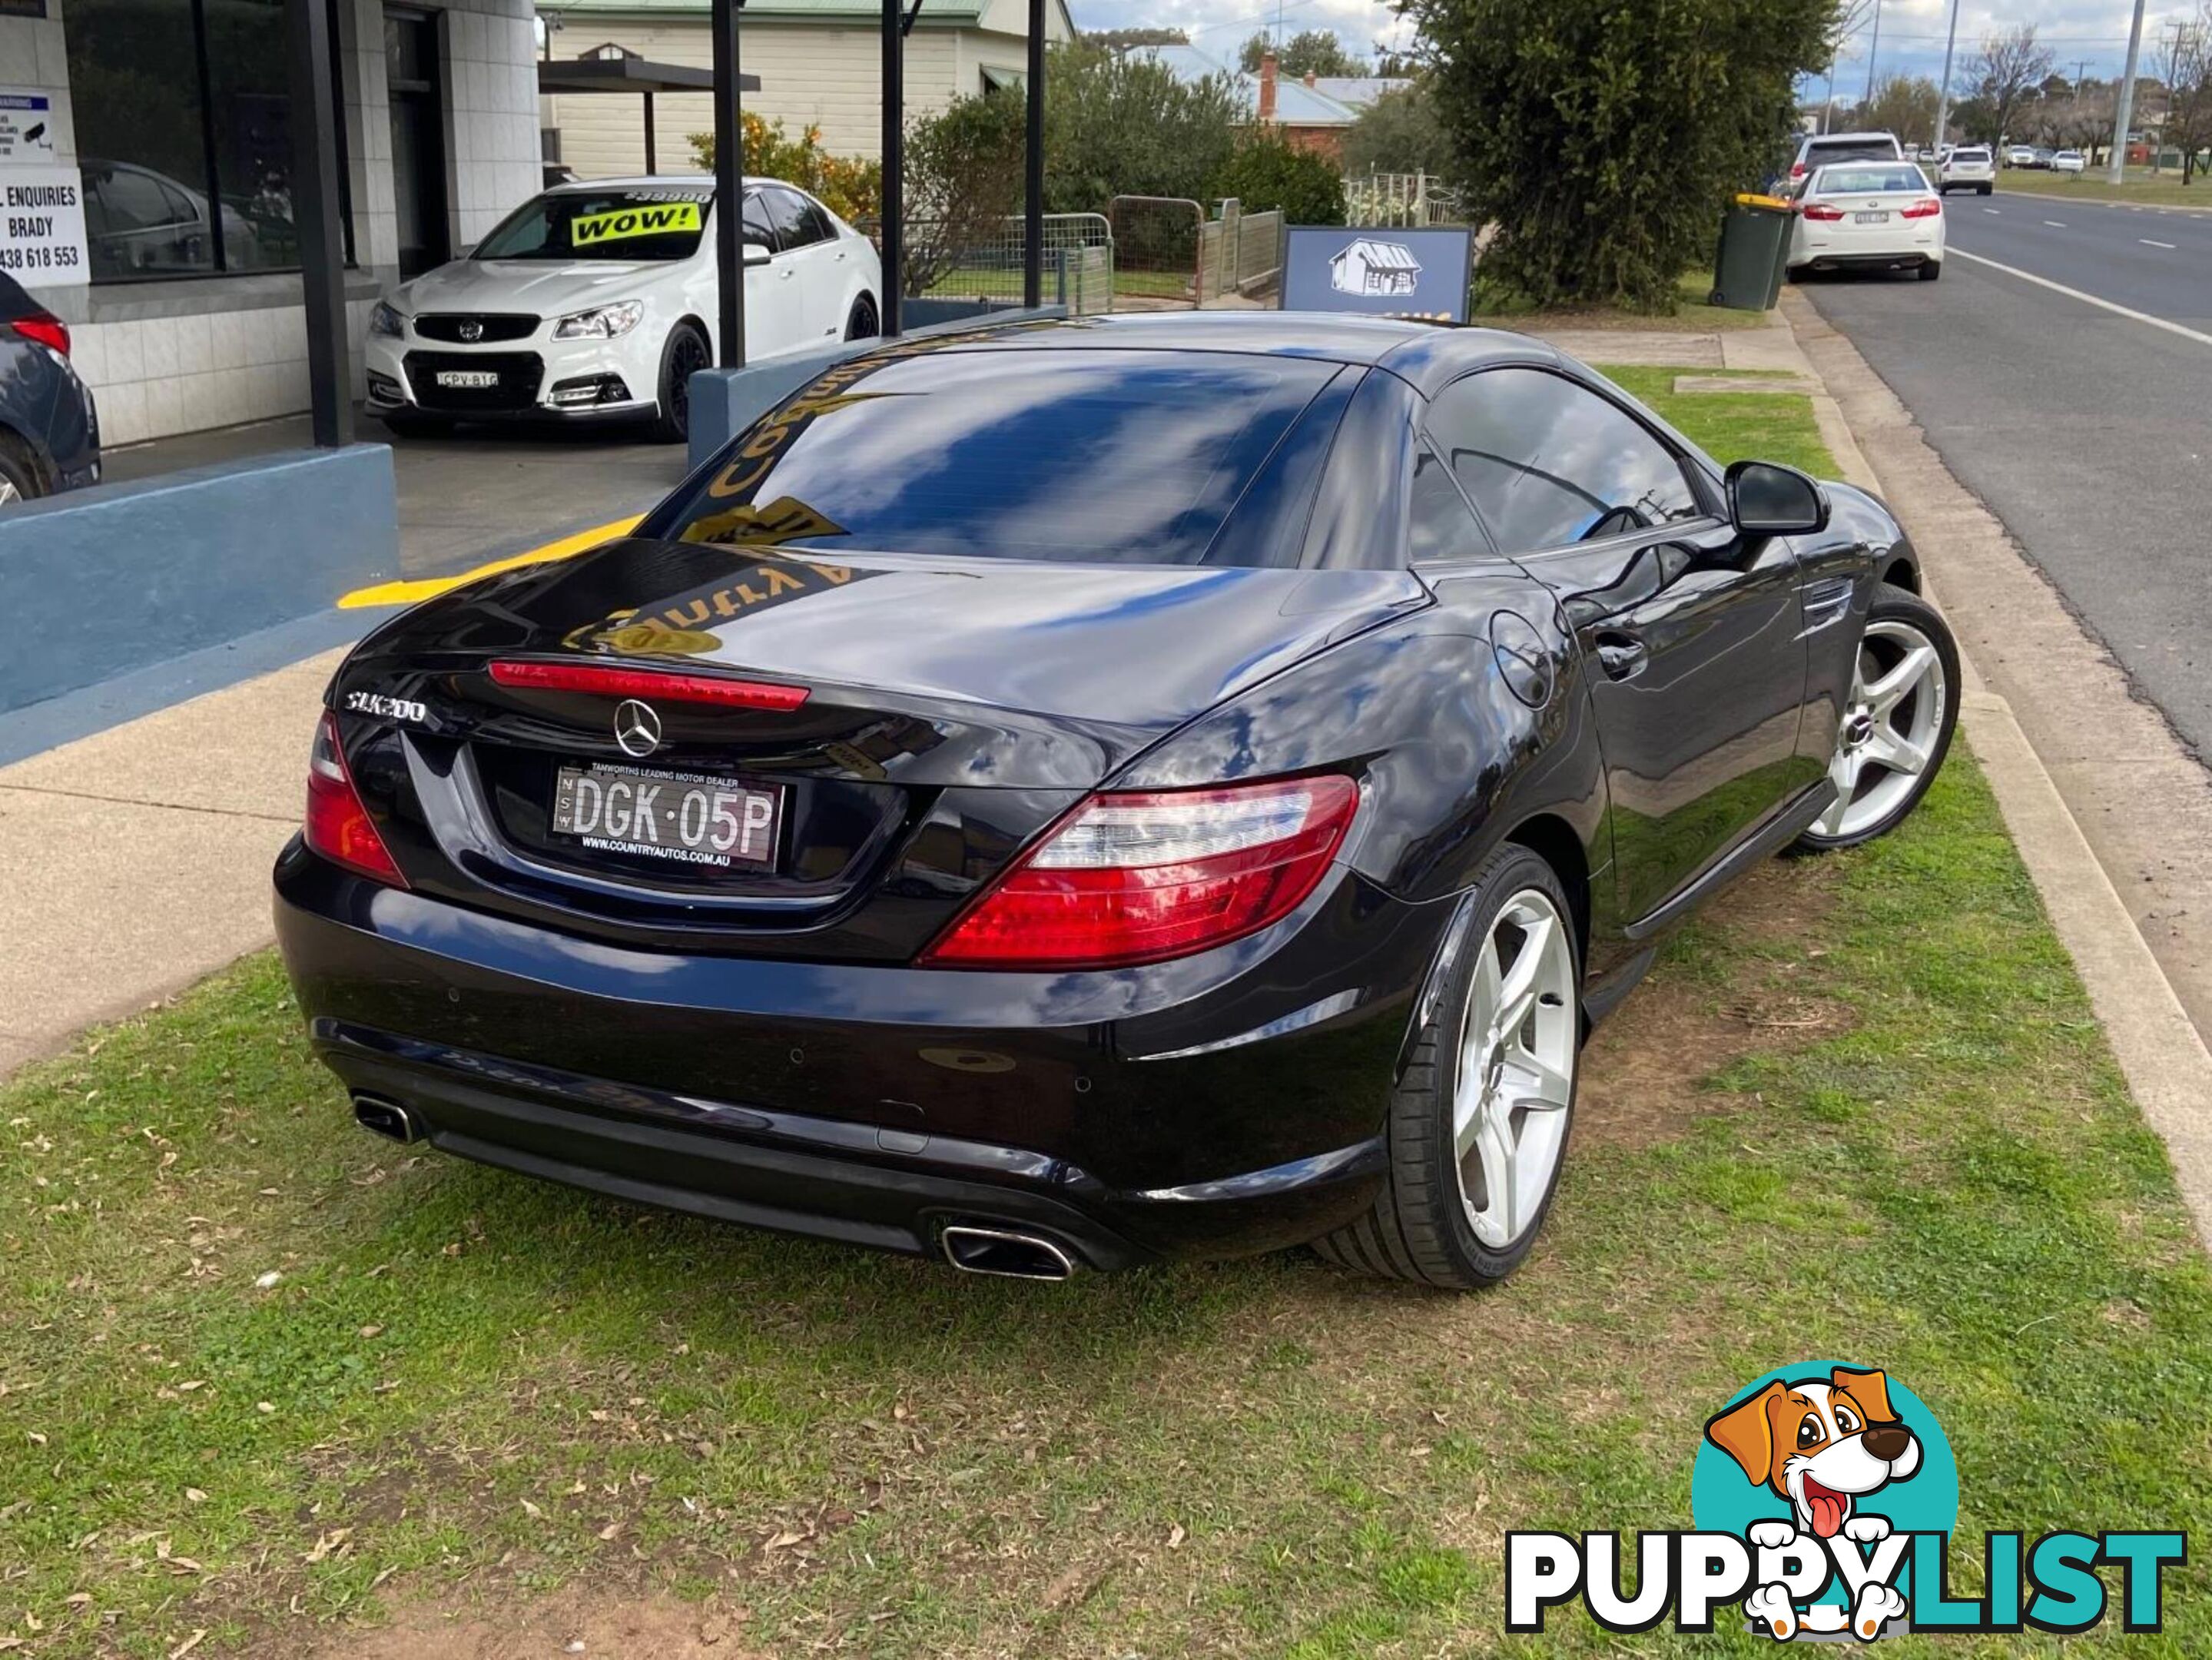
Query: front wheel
{"x":1897,"y":725}
{"x":1478,"y":1124}
{"x":683,"y":356}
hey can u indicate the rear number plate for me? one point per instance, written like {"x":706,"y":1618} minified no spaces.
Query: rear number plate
{"x":466,"y":378}
{"x":686,"y":819}
{"x":1870,"y":218}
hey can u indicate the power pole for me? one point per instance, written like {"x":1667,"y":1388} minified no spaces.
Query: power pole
{"x":1874,"y":51}
{"x":1943,"y":98}
{"x":2124,"y":109}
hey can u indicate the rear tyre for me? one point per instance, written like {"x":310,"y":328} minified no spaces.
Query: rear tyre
{"x":683,"y":356}
{"x":1984,"y":190}
{"x":860,"y":322}
{"x":1930,"y":269}
{"x":20,"y":478}
{"x":1478,"y":1124}
{"x":1897,"y":728}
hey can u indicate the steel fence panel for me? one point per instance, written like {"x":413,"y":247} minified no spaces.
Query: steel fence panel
{"x":1078,"y":261}
{"x":1158,"y":251}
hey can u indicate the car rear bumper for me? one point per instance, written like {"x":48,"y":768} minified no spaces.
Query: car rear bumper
{"x":828,"y":1101}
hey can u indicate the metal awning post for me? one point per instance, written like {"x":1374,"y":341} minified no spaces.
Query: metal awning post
{"x":1033,"y":199}
{"x":315,"y":215}
{"x":652,"y":161}
{"x":894,"y":215}
{"x":729,"y":185}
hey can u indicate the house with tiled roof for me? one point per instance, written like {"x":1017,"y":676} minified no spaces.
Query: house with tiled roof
{"x":1312,"y":114}
{"x":820,"y":63}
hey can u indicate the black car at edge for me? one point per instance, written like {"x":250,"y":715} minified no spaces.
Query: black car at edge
{"x":1076,"y":793}
{"x":49,"y":427}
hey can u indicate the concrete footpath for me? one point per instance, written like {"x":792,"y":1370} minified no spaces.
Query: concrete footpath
{"x":135,"y":861}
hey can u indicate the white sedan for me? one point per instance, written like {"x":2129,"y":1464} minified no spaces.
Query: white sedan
{"x":2069,"y":162}
{"x":600,"y":300}
{"x":1869,"y":216}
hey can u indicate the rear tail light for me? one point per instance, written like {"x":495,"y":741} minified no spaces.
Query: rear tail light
{"x":604,"y":681}
{"x":1796,"y":169}
{"x":338,"y":826}
{"x":1926,"y":207}
{"x":1130,"y":878}
{"x":46,"y":330}
{"x":1822,"y":211}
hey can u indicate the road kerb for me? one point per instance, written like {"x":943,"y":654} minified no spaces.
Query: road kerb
{"x":2158,"y":1047}
{"x":2168,"y":1069}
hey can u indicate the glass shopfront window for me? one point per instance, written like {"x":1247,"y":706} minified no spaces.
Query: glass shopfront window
{"x":184,"y":134}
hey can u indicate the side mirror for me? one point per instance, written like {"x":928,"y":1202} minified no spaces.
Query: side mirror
{"x":758,"y":254}
{"x":1766,"y":498}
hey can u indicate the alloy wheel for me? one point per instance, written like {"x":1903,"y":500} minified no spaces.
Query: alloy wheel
{"x":1890,"y":728}
{"x":9,"y":493}
{"x":1516,"y":1068}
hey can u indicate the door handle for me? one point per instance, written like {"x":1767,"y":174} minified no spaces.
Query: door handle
{"x":1622,"y":656}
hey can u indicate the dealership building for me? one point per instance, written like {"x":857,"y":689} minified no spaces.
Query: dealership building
{"x":146,"y":181}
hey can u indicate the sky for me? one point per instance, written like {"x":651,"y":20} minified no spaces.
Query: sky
{"x":2078,"y":32}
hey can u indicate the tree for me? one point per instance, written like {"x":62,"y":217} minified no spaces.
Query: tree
{"x":1123,"y":124}
{"x":1392,"y":64}
{"x":1264,"y":173}
{"x":1602,"y":137}
{"x":1399,"y":132}
{"x":1903,"y":106}
{"x":2009,"y":67}
{"x":1122,"y":40}
{"x":850,"y":187}
{"x":2186,"y":66}
{"x":1314,"y":51}
{"x":963,"y":177}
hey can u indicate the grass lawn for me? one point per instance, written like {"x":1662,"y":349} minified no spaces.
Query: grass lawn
{"x":2161,"y":190}
{"x":1732,"y":426}
{"x":1691,"y":315}
{"x":261,"y":1375}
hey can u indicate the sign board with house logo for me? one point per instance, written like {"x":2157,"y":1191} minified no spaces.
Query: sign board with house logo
{"x":1379,"y":271}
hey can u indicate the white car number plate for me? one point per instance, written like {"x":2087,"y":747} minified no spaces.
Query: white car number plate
{"x":1870,"y":218}
{"x":490,"y":378}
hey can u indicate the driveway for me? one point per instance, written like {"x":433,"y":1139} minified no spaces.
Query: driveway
{"x":472,"y":496}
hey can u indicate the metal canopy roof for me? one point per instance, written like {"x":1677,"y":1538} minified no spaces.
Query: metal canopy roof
{"x":626,"y":74}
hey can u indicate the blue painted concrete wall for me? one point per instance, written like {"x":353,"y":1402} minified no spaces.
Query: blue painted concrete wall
{"x":724,"y":402}
{"x":101,"y":583}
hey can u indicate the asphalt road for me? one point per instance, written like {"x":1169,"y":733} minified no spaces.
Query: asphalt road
{"x":2088,"y":432}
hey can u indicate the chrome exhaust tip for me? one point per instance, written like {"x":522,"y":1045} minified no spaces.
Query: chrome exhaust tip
{"x":387,"y":1119}
{"x":1011,"y":1255}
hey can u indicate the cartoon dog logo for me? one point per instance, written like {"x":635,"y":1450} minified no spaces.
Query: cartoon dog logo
{"x":1823,"y":1444}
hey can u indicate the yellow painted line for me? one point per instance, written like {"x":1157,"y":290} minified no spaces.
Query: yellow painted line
{"x":430,"y":587}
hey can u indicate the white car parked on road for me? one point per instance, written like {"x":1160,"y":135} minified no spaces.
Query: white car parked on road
{"x":2069,"y":162}
{"x":1970,"y":167}
{"x":1869,"y":216}
{"x":599,"y":300}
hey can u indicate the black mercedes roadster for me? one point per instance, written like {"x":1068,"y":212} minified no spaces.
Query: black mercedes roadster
{"x":1070,"y":794}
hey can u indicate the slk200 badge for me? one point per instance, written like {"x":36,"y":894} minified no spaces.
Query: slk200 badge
{"x":392,"y":708}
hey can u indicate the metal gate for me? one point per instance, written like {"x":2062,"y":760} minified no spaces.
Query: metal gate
{"x":1158,"y":251}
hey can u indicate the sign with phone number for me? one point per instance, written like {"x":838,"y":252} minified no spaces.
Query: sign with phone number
{"x":42,"y":226}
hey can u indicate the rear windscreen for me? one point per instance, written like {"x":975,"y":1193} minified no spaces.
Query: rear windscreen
{"x":1819,"y":156}
{"x":1833,"y":180}
{"x":1120,"y":457}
